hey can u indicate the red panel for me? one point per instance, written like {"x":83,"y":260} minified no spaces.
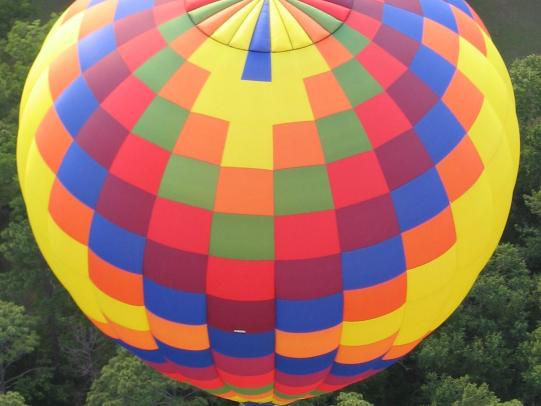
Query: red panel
{"x":240,"y":280}
{"x":309,"y":235}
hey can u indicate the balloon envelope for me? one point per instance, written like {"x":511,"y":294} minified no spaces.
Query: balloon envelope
{"x":268,"y":199}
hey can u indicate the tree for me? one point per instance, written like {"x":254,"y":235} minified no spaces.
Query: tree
{"x":531,"y":350}
{"x":481,"y":338}
{"x":17,"y":338}
{"x":351,"y":399}
{"x":448,"y":391}
{"x":12,"y":399}
{"x":127,"y":381}
{"x":526,"y":77}
{"x":12,"y":10}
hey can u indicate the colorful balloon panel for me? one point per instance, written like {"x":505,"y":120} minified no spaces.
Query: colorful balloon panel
{"x":268,"y":199}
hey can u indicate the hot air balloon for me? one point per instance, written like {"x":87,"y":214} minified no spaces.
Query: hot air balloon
{"x":268,"y":199}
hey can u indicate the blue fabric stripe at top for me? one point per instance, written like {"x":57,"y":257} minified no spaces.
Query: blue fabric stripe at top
{"x":258,"y":61}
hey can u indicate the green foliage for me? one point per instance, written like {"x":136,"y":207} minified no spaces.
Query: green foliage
{"x":480,"y":339}
{"x":351,"y":399}
{"x":526,"y":76}
{"x":127,"y":381}
{"x":12,"y":10}
{"x":448,"y":391}
{"x":11,"y":399}
{"x":531,"y":352}
{"x":17,"y":338}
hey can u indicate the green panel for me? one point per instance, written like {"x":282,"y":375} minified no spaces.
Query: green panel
{"x":157,"y":71}
{"x":327,"y":21}
{"x":220,"y":391}
{"x":190,"y":181}
{"x":202,"y":13}
{"x":301,"y":190}
{"x":242,"y":237}
{"x":251,"y":391}
{"x":356,"y":82}
{"x":171,"y":30}
{"x":161,"y":123}
{"x":342,"y":136}
{"x":351,"y":39}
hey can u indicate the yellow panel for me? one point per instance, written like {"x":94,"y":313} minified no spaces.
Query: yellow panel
{"x":418,"y":317}
{"x":428,"y":278}
{"x":279,"y":39}
{"x":60,"y":39}
{"x":37,"y":189}
{"x":487,"y":133}
{"x":474,"y":217}
{"x":227,"y":30}
{"x":501,"y":175}
{"x":38,"y":104}
{"x":66,"y":257}
{"x":243,"y":36}
{"x":371,"y":331}
{"x":297,"y":36}
{"x":477,"y":68}
{"x":123,"y":314}
{"x":258,"y":106}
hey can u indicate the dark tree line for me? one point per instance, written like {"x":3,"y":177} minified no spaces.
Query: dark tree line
{"x":488,"y":353}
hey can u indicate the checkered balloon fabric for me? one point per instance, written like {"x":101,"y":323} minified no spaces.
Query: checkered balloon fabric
{"x":268,"y":199}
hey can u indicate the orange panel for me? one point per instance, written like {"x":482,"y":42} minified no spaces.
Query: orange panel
{"x":69,"y":213}
{"x":190,"y":78}
{"x":364,"y":353}
{"x":203,"y":138}
{"x":183,"y":336}
{"x":305,"y":345}
{"x":465,"y":109}
{"x":297,"y":144}
{"x":326,"y":95}
{"x":53,"y":140}
{"x":245,"y":191}
{"x":460,"y":169}
{"x":375,"y":301}
{"x":124,"y":286}
{"x":429,"y":240}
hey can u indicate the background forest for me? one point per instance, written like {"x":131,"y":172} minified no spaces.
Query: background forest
{"x":488,"y":353}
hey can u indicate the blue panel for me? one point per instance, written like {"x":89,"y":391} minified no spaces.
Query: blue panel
{"x":440,"y":132}
{"x":357,"y":369}
{"x":258,"y":61}
{"x":261,"y":41}
{"x":376,"y":264}
{"x":419,"y":200}
{"x":75,"y":105}
{"x":175,"y":305}
{"x":303,"y":366}
{"x":301,"y":316}
{"x":188,"y":358}
{"x":146,"y":355}
{"x":461,"y":5}
{"x":434,"y":70}
{"x":257,"y":67}
{"x":129,"y":7}
{"x":403,"y":21}
{"x":95,"y":46}
{"x":241,"y":345}
{"x":441,"y":12}
{"x":94,"y":3}
{"x":117,"y":246}
{"x":81,"y":175}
